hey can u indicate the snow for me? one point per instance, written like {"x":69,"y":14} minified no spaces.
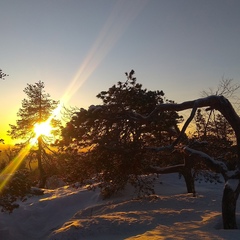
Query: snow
{"x":77,"y":213}
{"x":232,"y":183}
{"x":206,"y":157}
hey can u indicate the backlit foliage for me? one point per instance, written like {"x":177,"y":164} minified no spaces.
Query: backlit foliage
{"x":114,"y":140}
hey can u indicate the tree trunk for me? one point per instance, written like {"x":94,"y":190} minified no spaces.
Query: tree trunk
{"x":189,"y":180}
{"x":188,"y":176}
{"x":42,"y":175}
{"x":221,"y":104}
{"x":229,"y":201}
{"x":184,"y":169}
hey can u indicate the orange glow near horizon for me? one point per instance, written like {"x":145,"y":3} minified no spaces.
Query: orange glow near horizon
{"x":108,"y":36}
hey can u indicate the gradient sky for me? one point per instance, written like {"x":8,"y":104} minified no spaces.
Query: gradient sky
{"x":81,"y":47}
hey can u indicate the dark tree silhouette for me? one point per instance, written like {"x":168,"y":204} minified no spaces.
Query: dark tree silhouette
{"x":36,"y":108}
{"x":2,"y":75}
{"x":116,"y":141}
{"x":220,"y":103}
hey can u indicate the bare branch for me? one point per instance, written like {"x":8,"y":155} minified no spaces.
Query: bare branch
{"x":219,"y":103}
{"x":225,"y":88}
{"x":213,"y":164}
{"x":194,"y":109}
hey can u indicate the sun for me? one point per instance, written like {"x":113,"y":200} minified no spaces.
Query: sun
{"x":43,"y":128}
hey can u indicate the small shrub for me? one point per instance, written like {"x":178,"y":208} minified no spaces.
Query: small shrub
{"x":15,"y":189}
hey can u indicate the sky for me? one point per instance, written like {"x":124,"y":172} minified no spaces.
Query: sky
{"x":79,"y":48}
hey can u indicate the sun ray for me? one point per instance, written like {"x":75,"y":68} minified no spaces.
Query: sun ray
{"x":122,"y":14}
{"x":43,"y":128}
{"x":11,"y":168}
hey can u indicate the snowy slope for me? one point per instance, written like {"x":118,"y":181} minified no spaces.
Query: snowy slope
{"x":68,"y":213}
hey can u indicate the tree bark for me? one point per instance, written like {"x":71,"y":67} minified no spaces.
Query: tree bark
{"x":229,"y":201}
{"x":188,"y":175}
{"x":182,"y":169}
{"x":189,"y":180}
{"x":42,"y":175}
{"x":221,"y":104}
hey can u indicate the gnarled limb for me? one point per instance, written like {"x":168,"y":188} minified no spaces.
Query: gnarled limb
{"x":211,"y":163}
{"x":221,"y":104}
{"x":184,"y":169}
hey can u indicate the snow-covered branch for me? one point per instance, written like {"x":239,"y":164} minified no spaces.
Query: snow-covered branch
{"x":219,"y":103}
{"x":213,"y":164}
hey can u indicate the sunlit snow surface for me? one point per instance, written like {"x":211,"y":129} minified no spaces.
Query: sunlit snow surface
{"x":68,"y":213}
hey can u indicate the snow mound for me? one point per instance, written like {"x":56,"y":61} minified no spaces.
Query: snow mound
{"x":77,"y":213}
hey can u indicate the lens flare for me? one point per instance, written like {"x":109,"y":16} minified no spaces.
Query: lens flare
{"x":43,"y":128}
{"x":123,"y":13}
{"x":7,"y":173}
{"x":121,"y":16}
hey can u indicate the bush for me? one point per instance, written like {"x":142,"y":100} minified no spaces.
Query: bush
{"x":15,"y":189}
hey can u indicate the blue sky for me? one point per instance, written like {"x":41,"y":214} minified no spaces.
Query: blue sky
{"x":81,"y":47}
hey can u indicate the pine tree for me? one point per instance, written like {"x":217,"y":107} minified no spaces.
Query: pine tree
{"x":117,"y":141}
{"x":36,"y":108}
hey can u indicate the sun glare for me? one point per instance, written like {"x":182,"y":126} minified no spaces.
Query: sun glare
{"x":43,"y":128}
{"x":111,"y":32}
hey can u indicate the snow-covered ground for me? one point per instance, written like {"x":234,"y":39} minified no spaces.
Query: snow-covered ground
{"x":68,"y":213}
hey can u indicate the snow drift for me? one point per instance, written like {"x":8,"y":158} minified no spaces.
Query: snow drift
{"x":69,"y":213}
